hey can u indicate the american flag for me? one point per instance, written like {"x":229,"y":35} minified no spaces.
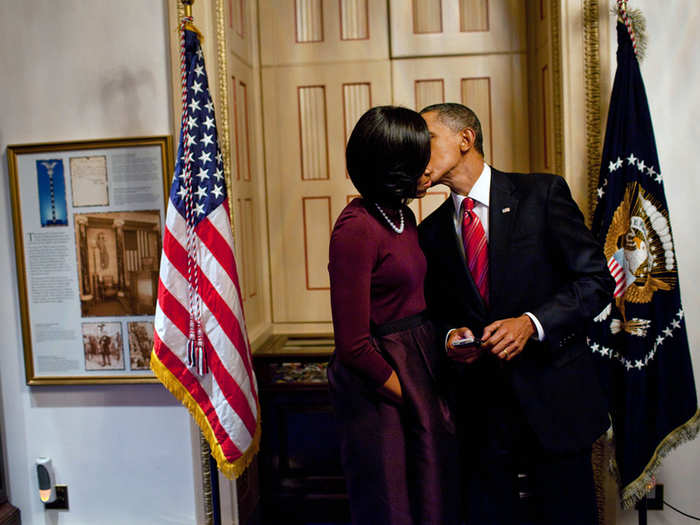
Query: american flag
{"x":201,"y":351}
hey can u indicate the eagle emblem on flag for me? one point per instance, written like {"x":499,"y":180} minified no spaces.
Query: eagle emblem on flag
{"x":639,"y":250}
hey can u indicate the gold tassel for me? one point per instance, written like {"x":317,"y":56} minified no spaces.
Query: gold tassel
{"x":191,"y":27}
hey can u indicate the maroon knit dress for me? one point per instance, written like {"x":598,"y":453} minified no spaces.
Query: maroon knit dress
{"x":400,"y":459}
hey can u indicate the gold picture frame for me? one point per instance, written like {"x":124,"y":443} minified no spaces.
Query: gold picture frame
{"x":88,"y":222}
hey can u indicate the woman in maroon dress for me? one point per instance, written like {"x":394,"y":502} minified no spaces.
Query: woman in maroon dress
{"x":398,"y":445}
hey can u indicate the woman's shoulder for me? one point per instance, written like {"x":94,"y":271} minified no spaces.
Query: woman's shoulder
{"x":354,"y":215}
{"x":354,"y":229}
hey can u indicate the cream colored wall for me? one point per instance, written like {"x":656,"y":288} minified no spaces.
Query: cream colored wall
{"x":76,"y":70}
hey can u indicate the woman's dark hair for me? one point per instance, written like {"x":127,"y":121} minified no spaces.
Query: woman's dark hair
{"x":387,"y":152}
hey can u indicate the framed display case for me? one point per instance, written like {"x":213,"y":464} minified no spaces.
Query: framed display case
{"x":88,"y":221}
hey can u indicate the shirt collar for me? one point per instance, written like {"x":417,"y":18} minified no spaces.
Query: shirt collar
{"x":480,"y":192}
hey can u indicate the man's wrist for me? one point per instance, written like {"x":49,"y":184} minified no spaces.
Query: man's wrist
{"x":447,"y":337}
{"x":538,"y":332}
{"x":531,"y":324}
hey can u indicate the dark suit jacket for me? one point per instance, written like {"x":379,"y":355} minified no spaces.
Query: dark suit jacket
{"x":543,"y":260}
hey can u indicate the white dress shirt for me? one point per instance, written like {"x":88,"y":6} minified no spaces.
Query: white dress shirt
{"x":481,"y":193}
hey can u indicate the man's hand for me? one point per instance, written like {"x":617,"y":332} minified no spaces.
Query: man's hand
{"x":506,"y":338}
{"x":463,"y":354}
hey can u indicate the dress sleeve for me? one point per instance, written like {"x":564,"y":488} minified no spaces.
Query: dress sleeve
{"x":353,"y":253}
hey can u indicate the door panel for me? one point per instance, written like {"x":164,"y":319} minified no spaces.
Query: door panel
{"x":309,"y":112}
{"x":494,"y":86}
{"x":313,"y":31}
{"x":456,"y":27}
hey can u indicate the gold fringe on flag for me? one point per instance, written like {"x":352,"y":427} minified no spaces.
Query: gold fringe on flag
{"x":636,"y":490}
{"x":230,"y":469}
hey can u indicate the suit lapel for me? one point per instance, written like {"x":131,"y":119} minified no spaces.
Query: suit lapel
{"x":503,"y":208}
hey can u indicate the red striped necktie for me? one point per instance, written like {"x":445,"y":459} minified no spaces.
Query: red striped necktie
{"x":475,"y":248}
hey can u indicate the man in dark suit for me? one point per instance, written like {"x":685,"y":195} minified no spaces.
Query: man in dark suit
{"x":511,"y":261}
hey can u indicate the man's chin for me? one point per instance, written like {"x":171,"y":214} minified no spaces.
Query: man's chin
{"x":434,"y":180}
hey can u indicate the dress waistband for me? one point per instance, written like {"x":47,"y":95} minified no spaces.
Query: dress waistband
{"x":399,"y":325}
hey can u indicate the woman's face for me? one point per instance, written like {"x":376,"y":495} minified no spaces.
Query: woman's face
{"x":424,"y":183}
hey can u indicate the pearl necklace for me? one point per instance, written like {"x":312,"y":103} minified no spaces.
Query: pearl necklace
{"x":397,"y":229}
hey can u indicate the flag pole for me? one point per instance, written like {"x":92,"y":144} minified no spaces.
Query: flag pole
{"x":201,"y":350}
{"x":188,"y":7}
{"x":210,"y":477}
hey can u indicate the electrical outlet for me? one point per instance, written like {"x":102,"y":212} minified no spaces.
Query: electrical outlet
{"x":61,"y":502}
{"x":654,"y":500}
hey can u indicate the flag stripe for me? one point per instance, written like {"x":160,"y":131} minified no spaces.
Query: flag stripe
{"x":173,"y":363}
{"x":222,"y":410}
{"x":232,"y":391}
{"x":229,"y":323}
{"x":220,"y":246}
{"x":219,"y":311}
{"x":211,"y":234}
{"x":235,"y":365}
{"x":177,"y":226}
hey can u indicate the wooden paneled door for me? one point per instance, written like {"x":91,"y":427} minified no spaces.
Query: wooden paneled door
{"x":309,"y":112}
{"x":324,"y":63}
{"x":469,"y":51}
{"x":495,"y":87}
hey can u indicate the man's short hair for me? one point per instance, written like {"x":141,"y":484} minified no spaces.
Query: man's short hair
{"x":458,"y":117}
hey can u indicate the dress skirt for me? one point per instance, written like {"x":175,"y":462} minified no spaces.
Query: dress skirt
{"x":400,"y":459}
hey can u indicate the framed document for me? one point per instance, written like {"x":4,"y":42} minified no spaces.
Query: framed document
{"x":88,"y":222}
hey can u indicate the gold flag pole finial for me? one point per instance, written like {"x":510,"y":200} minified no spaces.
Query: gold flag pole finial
{"x":187,"y":4}
{"x":188,"y":7}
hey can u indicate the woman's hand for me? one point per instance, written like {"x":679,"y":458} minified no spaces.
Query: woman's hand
{"x":392,"y":388}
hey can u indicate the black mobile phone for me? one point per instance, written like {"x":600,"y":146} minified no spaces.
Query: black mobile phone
{"x":467,"y":341}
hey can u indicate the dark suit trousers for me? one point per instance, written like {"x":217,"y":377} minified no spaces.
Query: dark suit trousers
{"x":508,"y":462}
{"x":399,"y":461}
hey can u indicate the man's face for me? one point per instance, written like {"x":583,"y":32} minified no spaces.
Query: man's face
{"x":445,"y":151}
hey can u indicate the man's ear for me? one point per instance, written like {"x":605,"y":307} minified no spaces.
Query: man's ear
{"x":467,"y":137}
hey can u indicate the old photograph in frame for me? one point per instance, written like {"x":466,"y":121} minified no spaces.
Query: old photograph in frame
{"x":88,"y":222}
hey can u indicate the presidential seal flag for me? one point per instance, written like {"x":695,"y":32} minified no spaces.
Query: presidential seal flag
{"x":201,"y":351}
{"x":640,"y":338}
